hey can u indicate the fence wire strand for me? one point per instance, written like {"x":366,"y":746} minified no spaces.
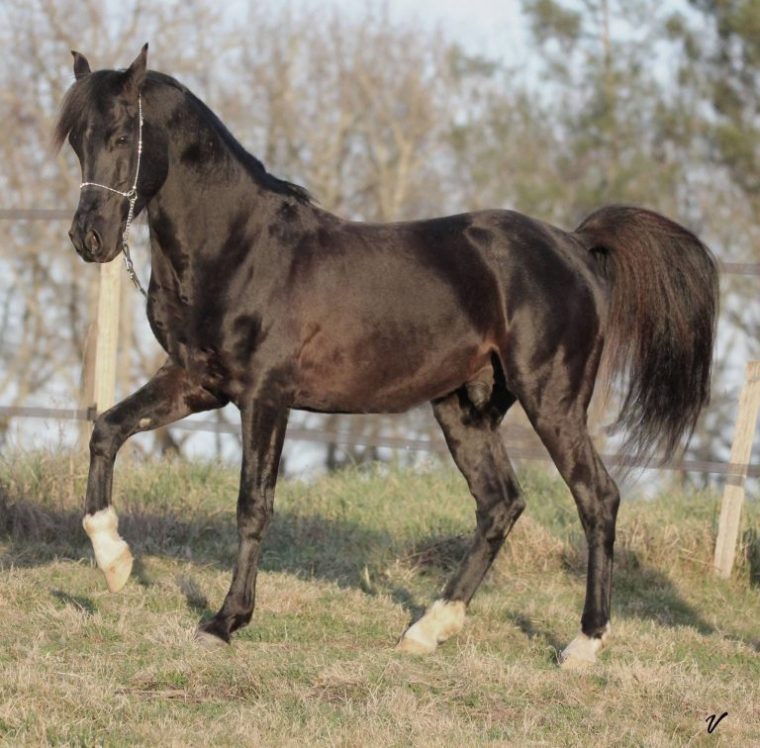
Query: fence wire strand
{"x":732,"y":471}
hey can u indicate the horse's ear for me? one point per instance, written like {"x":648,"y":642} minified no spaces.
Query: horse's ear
{"x":81,"y":66}
{"x":136,"y":72}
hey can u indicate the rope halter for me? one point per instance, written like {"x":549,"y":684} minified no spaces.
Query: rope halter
{"x":130,"y":195}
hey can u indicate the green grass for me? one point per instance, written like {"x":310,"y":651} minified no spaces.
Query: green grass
{"x":350,"y":560}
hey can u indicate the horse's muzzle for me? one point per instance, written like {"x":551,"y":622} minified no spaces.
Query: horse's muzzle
{"x":88,"y":242}
{"x":87,"y":247}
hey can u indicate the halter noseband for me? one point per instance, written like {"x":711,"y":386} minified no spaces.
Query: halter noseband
{"x":130,"y":195}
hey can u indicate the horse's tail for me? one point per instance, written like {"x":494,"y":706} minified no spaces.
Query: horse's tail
{"x":660,"y":322}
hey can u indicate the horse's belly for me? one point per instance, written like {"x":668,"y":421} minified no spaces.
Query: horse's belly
{"x":377,"y":379}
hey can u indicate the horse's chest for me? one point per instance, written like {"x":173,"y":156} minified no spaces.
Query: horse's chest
{"x":193,"y":346}
{"x":168,"y":321}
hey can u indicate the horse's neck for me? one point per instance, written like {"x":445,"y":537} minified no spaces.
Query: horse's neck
{"x":194,"y":221}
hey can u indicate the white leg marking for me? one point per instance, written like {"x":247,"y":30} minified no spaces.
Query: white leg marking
{"x":582,"y":651}
{"x":443,"y":619}
{"x":143,"y":423}
{"x":208,"y":641}
{"x":111,"y":552}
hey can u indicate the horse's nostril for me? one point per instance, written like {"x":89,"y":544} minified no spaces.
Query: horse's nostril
{"x":92,"y":241}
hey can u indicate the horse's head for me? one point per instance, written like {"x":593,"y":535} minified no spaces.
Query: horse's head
{"x":101,"y":116}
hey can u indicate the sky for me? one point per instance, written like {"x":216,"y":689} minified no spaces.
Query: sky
{"x":490,"y":26}
{"x":495,"y":28}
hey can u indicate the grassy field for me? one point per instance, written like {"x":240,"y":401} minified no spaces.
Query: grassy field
{"x":350,"y":560}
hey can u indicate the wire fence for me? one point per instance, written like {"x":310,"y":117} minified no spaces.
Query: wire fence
{"x":512,"y":436}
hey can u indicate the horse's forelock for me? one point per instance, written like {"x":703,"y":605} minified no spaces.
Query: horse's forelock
{"x":80,"y":99}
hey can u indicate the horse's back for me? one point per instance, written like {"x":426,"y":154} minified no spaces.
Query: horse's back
{"x":458,"y":249}
{"x":485,"y":268}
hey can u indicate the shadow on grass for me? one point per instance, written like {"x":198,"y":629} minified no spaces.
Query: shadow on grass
{"x":197,"y":602}
{"x":304,"y":545}
{"x":311,"y":546}
{"x":307,"y":546}
{"x":645,"y":592}
{"x":533,"y":631}
{"x":81,"y":603}
{"x":751,"y":541}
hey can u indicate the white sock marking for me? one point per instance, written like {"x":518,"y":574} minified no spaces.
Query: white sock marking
{"x":443,"y":619}
{"x":583,"y":649}
{"x":106,"y":541}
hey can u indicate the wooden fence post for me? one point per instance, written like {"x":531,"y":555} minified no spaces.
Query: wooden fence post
{"x":733,"y":493}
{"x":106,"y":347}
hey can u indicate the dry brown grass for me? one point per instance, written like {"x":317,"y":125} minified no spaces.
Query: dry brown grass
{"x":350,"y":559}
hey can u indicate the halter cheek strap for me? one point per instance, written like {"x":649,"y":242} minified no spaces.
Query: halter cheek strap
{"x":130,"y":195}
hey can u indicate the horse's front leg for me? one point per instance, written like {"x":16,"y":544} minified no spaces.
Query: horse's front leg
{"x":167,"y":397}
{"x":263,"y":435}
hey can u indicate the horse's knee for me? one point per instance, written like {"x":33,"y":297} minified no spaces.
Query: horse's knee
{"x":105,"y":439}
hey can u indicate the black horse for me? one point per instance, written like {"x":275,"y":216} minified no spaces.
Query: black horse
{"x":261,"y":298}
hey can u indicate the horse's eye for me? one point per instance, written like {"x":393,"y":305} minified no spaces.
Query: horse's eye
{"x":122,"y":140}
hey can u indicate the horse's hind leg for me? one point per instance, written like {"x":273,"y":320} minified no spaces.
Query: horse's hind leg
{"x":477,"y":448}
{"x":564,"y":432}
{"x":167,"y":397}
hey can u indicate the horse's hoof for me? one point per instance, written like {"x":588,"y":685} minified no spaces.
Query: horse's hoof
{"x":572,"y":660}
{"x":415,"y":646}
{"x":443,"y":619}
{"x":205,"y":640}
{"x":117,"y":573}
{"x":582,"y":651}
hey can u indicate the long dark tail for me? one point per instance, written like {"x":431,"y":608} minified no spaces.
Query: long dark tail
{"x":661,"y":322}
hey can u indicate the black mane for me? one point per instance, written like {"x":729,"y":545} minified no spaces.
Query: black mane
{"x":94,"y":91}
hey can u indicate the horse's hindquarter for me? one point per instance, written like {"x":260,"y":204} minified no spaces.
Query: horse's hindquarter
{"x":392,"y":315}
